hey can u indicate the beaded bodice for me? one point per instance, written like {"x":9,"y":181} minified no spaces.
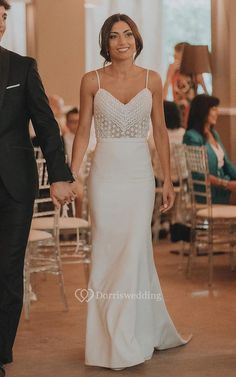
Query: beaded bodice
{"x":114,"y":119}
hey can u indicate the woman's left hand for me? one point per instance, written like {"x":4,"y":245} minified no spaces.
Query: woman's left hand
{"x":168,"y":196}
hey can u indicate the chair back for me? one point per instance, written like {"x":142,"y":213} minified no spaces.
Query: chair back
{"x":43,"y":205}
{"x":184,"y":200}
{"x":199,"y":180}
{"x":200,"y":190}
{"x":180,"y":162}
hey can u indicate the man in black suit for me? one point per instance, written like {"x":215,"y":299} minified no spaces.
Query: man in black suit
{"x":22,"y":98}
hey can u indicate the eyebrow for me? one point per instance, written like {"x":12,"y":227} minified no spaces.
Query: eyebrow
{"x":116,"y":32}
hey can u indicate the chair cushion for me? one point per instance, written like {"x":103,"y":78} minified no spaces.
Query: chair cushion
{"x":219,"y":212}
{"x":64,"y":223}
{"x":38,"y":235}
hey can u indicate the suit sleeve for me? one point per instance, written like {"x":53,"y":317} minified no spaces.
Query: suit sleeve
{"x":46,"y":127}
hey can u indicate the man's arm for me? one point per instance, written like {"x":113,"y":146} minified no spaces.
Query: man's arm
{"x":47,"y":132}
{"x":46,"y":127}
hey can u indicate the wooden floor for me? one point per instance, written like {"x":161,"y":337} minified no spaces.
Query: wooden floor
{"x":51,"y":344}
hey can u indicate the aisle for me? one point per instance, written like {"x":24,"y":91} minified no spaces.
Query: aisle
{"x":52,"y":343}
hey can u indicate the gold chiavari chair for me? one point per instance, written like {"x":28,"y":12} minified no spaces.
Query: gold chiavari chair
{"x":43,"y":249}
{"x":76,"y":250}
{"x":213,"y":226}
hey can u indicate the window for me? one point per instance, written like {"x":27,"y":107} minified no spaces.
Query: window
{"x":185,"y":21}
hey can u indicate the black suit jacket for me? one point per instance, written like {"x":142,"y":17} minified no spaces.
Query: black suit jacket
{"x":22,"y":97}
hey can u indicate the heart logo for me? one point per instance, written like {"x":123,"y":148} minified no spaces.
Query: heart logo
{"x":83,"y":294}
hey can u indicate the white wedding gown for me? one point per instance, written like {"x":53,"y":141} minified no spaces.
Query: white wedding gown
{"x":123,"y":330}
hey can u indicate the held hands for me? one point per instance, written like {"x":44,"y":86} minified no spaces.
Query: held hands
{"x":63,"y":192}
{"x":168,"y":196}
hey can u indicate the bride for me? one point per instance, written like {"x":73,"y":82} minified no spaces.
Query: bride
{"x":127,"y":318}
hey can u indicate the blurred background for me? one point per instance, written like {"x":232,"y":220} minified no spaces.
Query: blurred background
{"x":63,"y":37}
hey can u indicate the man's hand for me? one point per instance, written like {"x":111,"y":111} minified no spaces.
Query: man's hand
{"x":62,"y":192}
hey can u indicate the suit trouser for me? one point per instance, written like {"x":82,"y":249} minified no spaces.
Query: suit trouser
{"x":15,"y":221}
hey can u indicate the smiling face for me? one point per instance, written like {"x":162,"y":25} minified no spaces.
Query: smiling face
{"x":122,"y":43}
{"x":3,"y":18}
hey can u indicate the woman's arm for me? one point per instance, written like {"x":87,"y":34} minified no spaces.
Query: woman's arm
{"x":229,"y":168}
{"x":200,"y":81}
{"x":83,"y":132}
{"x":167,"y":83}
{"x":161,"y":139}
{"x":216,"y":181}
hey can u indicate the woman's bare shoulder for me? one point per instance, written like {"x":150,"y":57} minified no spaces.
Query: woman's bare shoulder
{"x":154,"y":75}
{"x":154,"y":81}
{"x":90,"y":81}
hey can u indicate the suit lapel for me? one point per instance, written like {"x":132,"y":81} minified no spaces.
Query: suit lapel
{"x":4,"y":70}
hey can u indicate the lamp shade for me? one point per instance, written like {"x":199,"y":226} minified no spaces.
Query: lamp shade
{"x":195,"y":59}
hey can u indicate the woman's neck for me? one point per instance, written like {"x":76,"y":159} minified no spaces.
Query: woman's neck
{"x":207,"y":129}
{"x":209,"y":135}
{"x":122,"y":69}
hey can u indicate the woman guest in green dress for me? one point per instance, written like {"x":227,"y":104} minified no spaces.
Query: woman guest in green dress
{"x":200,"y":131}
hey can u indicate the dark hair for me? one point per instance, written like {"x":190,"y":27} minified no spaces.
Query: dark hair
{"x":5,"y":4}
{"x":172,"y":115}
{"x":180,"y":46}
{"x":199,"y":111}
{"x":72,"y":111}
{"x":105,"y":32}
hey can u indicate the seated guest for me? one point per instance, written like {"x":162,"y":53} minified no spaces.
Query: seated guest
{"x":72,"y":122}
{"x":173,"y":122}
{"x":57,"y":106}
{"x":200,"y":131}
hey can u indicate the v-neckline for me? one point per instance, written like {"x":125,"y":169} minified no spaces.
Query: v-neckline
{"x":117,"y":100}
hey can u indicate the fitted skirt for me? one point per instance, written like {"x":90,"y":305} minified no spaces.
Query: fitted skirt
{"x":127,"y":317}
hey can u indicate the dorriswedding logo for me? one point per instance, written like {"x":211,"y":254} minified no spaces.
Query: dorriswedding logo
{"x":86,"y":295}
{"x":83,"y":294}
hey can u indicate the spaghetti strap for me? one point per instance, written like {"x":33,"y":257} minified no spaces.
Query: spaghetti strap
{"x":99,"y":86}
{"x":147,"y":78}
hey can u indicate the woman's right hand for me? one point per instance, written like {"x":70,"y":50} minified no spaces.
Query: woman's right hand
{"x":168,"y":196}
{"x":229,"y":185}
